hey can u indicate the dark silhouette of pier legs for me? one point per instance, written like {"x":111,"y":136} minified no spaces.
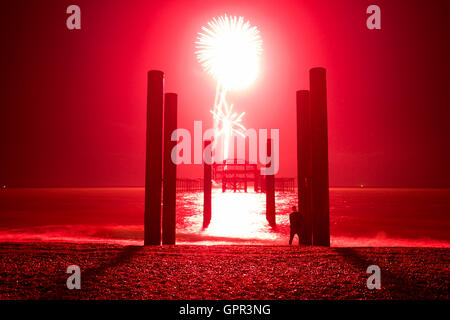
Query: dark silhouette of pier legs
{"x":153,"y":169}
{"x":170,"y":171}
{"x":304,"y":159}
{"x":320,"y":192}
{"x":270,"y":190}
{"x":207,"y":186}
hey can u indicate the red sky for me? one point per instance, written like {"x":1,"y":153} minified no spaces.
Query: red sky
{"x":74,"y":103}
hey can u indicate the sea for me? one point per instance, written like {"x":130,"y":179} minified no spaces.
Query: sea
{"x":359,"y":217}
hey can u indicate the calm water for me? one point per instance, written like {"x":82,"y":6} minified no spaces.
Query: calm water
{"x":358,"y":217}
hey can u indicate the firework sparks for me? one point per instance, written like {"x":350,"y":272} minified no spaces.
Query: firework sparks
{"x":229,"y":49}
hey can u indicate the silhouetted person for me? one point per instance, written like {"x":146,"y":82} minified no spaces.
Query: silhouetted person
{"x":296,"y":222}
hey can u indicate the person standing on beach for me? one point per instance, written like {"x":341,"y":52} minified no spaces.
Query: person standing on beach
{"x":296,"y":222}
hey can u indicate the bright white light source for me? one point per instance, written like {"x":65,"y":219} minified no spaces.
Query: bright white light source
{"x":230,"y":49}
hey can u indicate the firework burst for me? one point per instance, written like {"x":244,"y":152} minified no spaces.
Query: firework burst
{"x":229,"y":49}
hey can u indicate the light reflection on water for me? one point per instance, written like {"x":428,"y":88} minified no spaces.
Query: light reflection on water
{"x":358,"y":216}
{"x":236,"y":217}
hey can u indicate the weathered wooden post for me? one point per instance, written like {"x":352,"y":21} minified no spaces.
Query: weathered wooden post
{"x":245,"y":177}
{"x":256,"y":180}
{"x":304,"y":159}
{"x":320,"y":192}
{"x":207,"y":185}
{"x":153,"y":168}
{"x":224,"y":180}
{"x":270,"y":190}
{"x":169,"y":171}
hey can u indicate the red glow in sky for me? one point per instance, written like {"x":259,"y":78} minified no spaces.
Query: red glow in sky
{"x":73,"y":112}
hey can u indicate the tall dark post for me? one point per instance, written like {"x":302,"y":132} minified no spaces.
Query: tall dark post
{"x":207,"y":187}
{"x":304,"y":160}
{"x":255,"y":183}
{"x":153,"y":168}
{"x":170,"y":171}
{"x":320,"y":192}
{"x":270,"y":190}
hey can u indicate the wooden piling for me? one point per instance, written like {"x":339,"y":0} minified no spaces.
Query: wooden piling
{"x":304,"y":160}
{"x":320,"y":191}
{"x":169,"y":171}
{"x":207,"y":187}
{"x":153,"y":168}
{"x":270,"y":190}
